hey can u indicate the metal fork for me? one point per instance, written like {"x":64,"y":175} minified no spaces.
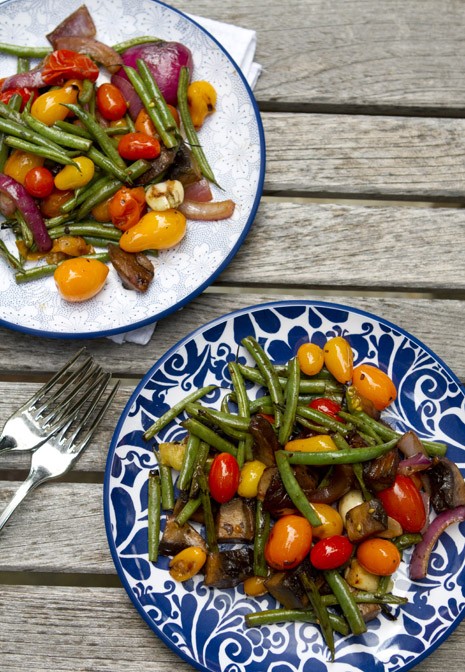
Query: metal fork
{"x":51,"y":407}
{"x":60,"y":452}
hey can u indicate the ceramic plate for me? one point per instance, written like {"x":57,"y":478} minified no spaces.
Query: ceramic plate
{"x":234,"y":144}
{"x":206,"y":626}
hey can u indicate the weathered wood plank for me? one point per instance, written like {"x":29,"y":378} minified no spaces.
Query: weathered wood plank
{"x":79,"y":629}
{"x":388,"y":54}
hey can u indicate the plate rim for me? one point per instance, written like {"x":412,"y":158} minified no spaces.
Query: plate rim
{"x":160,"y":361}
{"x":238,"y":244}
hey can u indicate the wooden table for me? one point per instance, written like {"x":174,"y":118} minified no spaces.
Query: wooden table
{"x":363,"y":105}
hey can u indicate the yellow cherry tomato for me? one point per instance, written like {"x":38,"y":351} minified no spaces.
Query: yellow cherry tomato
{"x":339,"y":359}
{"x":187,"y":563}
{"x":101,"y":211}
{"x":73,"y":177}
{"x":375,"y":385}
{"x":251,"y":474}
{"x":311,"y":358}
{"x":80,"y":279}
{"x":331,"y":521}
{"x":19,"y":163}
{"x":49,"y":107}
{"x":320,"y":443}
{"x":155,"y":231}
{"x":255,"y":586}
{"x":201,"y":99}
{"x":378,"y":556}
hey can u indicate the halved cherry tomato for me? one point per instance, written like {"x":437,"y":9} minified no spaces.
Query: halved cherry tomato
{"x":327,"y":406}
{"x":331,"y":552}
{"x":404,"y":503}
{"x":339,"y":358}
{"x":126,"y":207}
{"x":110,"y":102}
{"x":39,"y":182}
{"x":143,"y":123}
{"x":378,"y":556}
{"x":50,"y":206}
{"x":25,"y":92}
{"x":136,"y":145}
{"x":289,"y":542}
{"x":311,"y":358}
{"x":375,"y":385}
{"x":223,"y":477}
{"x":64,"y":64}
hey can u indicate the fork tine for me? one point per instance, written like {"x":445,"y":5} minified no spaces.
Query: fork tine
{"x":78,"y":377}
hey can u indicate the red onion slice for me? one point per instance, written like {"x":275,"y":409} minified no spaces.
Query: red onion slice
{"x":421,"y":554}
{"x":211,"y":211}
{"x":411,"y":465}
{"x":199,"y":191}
{"x":32,"y":79}
{"x":29,"y":209}
{"x":130,"y":95}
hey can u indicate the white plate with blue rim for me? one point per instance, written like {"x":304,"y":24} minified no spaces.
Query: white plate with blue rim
{"x":205,"y":626}
{"x":233,"y":141}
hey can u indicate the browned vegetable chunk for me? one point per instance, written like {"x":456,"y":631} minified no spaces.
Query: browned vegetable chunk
{"x":381,"y":472}
{"x":227,"y":569}
{"x":446,"y":484}
{"x":365,"y":520}
{"x":235,"y":521}
{"x":177,"y":537}
{"x":265,"y":440}
{"x":135,"y":270}
{"x":286,"y":587}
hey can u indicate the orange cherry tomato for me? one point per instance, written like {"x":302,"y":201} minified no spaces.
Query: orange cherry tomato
{"x":331,"y":521}
{"x":378,"y":556}
{"x":143,"y":124}
{"x":126,"y":207}
{"x":50,"y":206}
{"x":375,"y":385}
{"x":80,"y":279}
{"x":339,"y":359}
{"x":19,"y":163}
{"x":101,"y":212}
{"x":136,"y":145}
{"x":289,"y":542}
{"x":39,"y":182}
{"x":311,"y":358}
{"x":65,"y":64}
{"x":110,"y":102}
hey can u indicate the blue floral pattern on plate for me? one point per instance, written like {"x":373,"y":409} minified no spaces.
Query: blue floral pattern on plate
{"x":206,"y":626}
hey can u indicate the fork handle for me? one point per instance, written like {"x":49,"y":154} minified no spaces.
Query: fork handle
{"x":26,"y":486}
{"x":7,"y":443}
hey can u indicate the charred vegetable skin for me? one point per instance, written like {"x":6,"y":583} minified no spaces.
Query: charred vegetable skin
{"x":324,"y":527}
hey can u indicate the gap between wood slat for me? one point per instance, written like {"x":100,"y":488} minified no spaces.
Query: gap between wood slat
{"x":54,"y":579}
{"x":363,"y":110}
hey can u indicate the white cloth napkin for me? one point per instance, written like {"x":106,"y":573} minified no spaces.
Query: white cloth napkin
{"x":240,"y":43}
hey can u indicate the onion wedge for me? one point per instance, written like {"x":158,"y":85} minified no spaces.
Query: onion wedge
{"x":209,"y":211}
{"x":29,"y":209}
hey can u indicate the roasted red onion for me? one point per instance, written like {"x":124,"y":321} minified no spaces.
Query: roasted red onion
{"x":32,"y":79}
{"x":130,"y":96}
{"x":199,"y":191}
{"x":80,"y":23}
{"x":418,"y":462}
{"x":29,"y":209}
{"x":211,"y":211}
{"x":422,"y":551}
{"x":409,"y":444}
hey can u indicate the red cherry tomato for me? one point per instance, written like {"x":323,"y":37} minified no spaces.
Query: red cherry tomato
{"x":39,"y":182}
{"x":110,"y":102}
{"x":223,"y":478}
{"x":404,"y":503}
{"x":25,"y":93}
{"x":64,"y":64}
{"x":331,"y":552}
{"x":133,"y":146}
{"x":126,"y":207}
{"x":288,"y":542}
{"x":327,"y":406}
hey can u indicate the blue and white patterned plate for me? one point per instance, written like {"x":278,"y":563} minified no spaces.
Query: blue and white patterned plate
{"x":206,"y":626}
{"x":233,"y":140}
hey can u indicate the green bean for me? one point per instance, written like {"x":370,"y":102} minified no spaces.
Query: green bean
{"x":307,"y":386}
{"x":23,"y":51}
{"x":262,"y":530}
{"x":320,"y":610}
{"x":291,"y":399}
{"x":339,"y":456}
{"x":407,"y":540}
{"x":188,"y":510}
{"x":191,"y":133}
{"x":88,"y":90}
{"x":318,"y":429}
{"x":155,"y":94}
{"x":23,"y":64}
{"x":210,"y":533}
{"x":199,"y":466}
{"x":89,"y":228}
{"x":168,"y":139}
{"x":38,"y":272}
{"x":154,"y":514}
{"x":56,"y":135}
{"x":133,"y":42}
{"x":26,"y":232}
{"x":268,"y":374}
{"x":271,"y":616}
{"x":167,"y":488}
{"x":190,"y":455}
{"x":320,"y":418}
{"x":346,"y":601}
{"x":98,"y":135}
{"x":209,"y":436}
{"x":130,"y":123}
{"x":175,"y":410}
{"x":9,"y":112}
{"x":107,"y":187}
{"x":39,"y":150}
{"x":294,"y":490}
{"x":245,"y":445}
{"x":137,"y":169}
{"x":9,"y":257}
{"x":222,"y":419}
{"x":74,"y":129}
{"x":367,"y":598}
{"x":360,"y":423}
{"x":56,"y":221}
{"x":19,"y":130}
{"x":107,"y":164}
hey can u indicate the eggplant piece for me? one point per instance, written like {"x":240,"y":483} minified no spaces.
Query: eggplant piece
{"x":446,"y":484}
{"x":176,"y":537}
{"x":235,"y":521}
{"x":381,"y":473}
{"x":158,"y":167}
{"x":265,"y":440}
{"x":286,"y":587}
{"x":135,"y":270}
{"x":227,"y":569}
{"x":276,"y":501}
{"x":365,"y":520}
{"x":184,"y":168}
{"x":341,"y":482}
{"x":368,"y":611}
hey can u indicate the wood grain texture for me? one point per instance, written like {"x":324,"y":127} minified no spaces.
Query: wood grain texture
{"x":387,"y":54}
{"x":67,"y":629}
